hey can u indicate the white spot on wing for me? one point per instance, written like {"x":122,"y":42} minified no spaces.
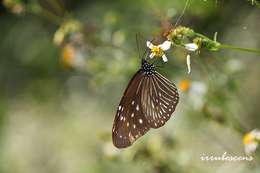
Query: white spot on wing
{"x":140,"y":121}
{"x":137,"y":107}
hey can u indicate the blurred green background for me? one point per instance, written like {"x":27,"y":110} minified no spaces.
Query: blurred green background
{"x":64,"y":65}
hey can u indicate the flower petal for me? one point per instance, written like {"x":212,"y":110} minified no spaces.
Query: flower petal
{"x":191,"y":46}
{"x":149,"y":44}
{"x":152,"y":55}
{"x":164,"y":57}
{"x":256,"y":134}
{"x":250,"y":148}
{"x":188,"y":63}
{"x":165,"y":45}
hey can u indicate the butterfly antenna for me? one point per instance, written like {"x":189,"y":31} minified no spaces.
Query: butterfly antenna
{"x":137,"y":45}
{"x":160,"y":67}
{"x":157,"y":64}
{"x":145,"y":53}
{"x":182,"y":13}
{"x":143,"y":56}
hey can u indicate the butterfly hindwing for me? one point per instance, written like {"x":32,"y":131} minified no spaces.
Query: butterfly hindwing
{"x":159,"y":100}
{"x":130,"y":122}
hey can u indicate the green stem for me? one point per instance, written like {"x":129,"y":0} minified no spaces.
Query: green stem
{"x":202,"y":36}
{"x":224,"y":46}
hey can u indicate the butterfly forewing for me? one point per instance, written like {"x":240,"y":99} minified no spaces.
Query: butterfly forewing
{"x":159,"y":100}
{"x":130,"y":122}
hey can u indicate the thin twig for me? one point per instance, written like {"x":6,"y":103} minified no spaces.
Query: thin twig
{"x":182,"y":13}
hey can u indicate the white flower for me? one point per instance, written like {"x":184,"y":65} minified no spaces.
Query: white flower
{"x":158,"y":50}
{"x":191,"y":46}
{"x":251,"y":141}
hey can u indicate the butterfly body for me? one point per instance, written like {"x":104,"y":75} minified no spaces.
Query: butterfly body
{"x":147,"y":68}
{"x":148,"y":102}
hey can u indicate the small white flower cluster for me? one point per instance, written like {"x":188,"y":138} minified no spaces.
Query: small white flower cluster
{"x":158,"y":51}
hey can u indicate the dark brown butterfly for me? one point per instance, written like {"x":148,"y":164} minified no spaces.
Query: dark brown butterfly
{"x":148,"y":102}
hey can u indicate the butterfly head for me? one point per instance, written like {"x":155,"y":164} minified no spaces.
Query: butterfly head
{"x":148,"y":69}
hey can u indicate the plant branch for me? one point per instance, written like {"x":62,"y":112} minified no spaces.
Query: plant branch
{"x":225,"y":46}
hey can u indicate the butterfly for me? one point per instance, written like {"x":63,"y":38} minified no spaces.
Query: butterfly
{"x":148,"y":102}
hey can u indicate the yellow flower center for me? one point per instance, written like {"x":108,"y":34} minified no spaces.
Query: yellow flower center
{"x":248,"y":139}
{"x":157,"y":51}
{"x":185,"y":85}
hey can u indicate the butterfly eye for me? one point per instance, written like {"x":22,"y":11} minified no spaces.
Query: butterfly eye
{"x":148,"y":102}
